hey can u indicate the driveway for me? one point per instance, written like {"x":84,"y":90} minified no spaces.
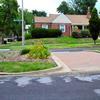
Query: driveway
{"x":80,"y":60}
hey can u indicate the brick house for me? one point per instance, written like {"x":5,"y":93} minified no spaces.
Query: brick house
{"x":66,"y":23}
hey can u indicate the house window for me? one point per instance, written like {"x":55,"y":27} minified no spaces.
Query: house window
{"x":62,"y":28}
{"x":45,"y":26}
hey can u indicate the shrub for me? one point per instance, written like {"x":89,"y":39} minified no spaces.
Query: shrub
{"x":45,"y":33}
{"x":54,"y":33}
{"x":74,"y":29}
{"x":85,"y":33}
{"x":28,"y":36}
{"x":39,"y":51}
{"x":38,"y":33}
{"x":25,"y":51}
{"x":76,"y":34}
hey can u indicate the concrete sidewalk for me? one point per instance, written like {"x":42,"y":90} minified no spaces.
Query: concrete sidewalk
{"x":83,"y":61}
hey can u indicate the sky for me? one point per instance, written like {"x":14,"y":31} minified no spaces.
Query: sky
{"x":48,"y":6}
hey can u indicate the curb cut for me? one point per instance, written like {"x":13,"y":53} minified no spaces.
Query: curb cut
{"x":60,"y":63}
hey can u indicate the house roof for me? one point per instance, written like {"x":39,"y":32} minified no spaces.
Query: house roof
{"x":78,"y":19}
{"x":46,"y":19}
{"x":60,"y":18}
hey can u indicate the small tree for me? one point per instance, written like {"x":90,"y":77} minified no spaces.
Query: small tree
{"x":94,"y":25}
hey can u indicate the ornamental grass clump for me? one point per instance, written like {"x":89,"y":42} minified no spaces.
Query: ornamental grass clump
{"x":39,"y":51}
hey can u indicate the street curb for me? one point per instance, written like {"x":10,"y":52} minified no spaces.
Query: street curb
{"x":36,"y":73}
{"x":47,"y":71}
{"x":54,"y":73}
{"x":76,"y":73}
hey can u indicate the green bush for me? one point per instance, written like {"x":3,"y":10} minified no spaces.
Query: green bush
{"x":54,"y":33}
{"x":28,"y":36}
{"x":25,"y":51}
{"x":76,"y":34}
{"x":74,"y":29}
{"x":45,"y":33}
{"x":39,"y":51}
{"x":85,"y":33}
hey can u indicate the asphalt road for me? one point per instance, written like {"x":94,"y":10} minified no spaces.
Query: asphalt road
{"x":61,"y":87}
{"x":74,"y":49}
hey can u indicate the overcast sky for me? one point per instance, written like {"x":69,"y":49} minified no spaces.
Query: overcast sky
{"x":49,"y":6}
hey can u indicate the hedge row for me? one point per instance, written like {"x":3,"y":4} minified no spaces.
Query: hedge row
{"x":45,"y":33}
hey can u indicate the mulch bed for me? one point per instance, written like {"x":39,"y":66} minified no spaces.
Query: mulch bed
{"x":14,"y":56}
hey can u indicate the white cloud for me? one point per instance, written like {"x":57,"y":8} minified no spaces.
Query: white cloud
{"x":49,"y":6}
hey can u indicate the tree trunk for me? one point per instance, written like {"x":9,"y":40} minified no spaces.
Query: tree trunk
{"x":2,"y":40}
{"x":94,"y":42}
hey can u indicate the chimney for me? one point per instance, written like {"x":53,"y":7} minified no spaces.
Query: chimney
{"x":88,"y":13}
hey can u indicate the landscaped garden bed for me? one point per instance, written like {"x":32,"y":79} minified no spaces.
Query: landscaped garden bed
{"x":38,"y":58}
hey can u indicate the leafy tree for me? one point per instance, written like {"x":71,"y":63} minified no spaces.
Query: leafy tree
{"x":81,"y":6}
{"x":76,"y":6}
{"x":94,"y":25}
{"x":28,"y":19}
{"x":65,"y":8}
{"x":39,"y":13}
{"x":28,"y":16}
{"x":8,"y":12}
{"x":1,"y":16}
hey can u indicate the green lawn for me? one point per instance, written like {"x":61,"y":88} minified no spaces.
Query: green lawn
{"x":51,"y":43}
{"x":24,"y":66}
{"x":54,"y":43}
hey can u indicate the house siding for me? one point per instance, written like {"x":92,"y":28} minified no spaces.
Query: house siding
{"x":38,"y":25}
{"x":68,"y":30}
{"x":56,"y":26}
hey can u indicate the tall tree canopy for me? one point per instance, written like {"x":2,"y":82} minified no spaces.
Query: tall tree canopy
{"x":81,"y":6}
{"x":94,"y":24}
{"x":76,"y":6}
{"x":39,"y":13}
{"x":8,"y":12}
{"x":65,"y":8}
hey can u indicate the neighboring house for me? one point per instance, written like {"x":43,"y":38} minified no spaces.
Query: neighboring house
{"x":66,"y":23}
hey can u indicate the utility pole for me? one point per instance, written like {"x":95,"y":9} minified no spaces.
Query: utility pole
{"x":23,"y":33}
